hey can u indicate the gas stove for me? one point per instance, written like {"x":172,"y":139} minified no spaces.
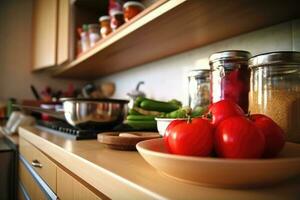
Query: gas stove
{"x":63,"y":129}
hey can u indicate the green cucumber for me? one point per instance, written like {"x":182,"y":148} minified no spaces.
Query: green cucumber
{"x":142,"y":125}
{"x":140,"y":117}
{"x":146,"y":112}
{"x":159,"y":106}
{"x":133,"y":112}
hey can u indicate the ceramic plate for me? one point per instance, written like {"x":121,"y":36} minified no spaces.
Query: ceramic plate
{"x":219,"y":172}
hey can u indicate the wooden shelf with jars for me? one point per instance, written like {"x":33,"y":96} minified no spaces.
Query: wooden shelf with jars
{"x":169,"y":27}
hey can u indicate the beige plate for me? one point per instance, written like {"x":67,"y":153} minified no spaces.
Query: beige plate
{"x":218,"y":172}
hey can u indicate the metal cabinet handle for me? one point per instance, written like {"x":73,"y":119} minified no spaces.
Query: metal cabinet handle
{"x":36,"y":164}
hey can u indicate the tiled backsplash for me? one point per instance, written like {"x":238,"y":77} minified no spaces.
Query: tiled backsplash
{"x":167,"y":78}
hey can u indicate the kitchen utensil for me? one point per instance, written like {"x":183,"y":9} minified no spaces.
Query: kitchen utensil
{"x":136,"y":93}
{"x":16,"y":120}
{"x":34,"y":92}
{"x":220,"y":172}
{"x":94,"y":113}
{"x":52,"y":113}
{"x":125,"y":140}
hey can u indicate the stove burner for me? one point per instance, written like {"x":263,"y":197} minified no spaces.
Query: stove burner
{"x":63,"y":129}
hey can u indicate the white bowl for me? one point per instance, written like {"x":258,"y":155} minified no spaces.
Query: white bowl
{"x":163,"y":123}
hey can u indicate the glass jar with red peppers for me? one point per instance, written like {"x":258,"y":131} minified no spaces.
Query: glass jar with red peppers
{"x":131,"y":9}
{"x":230,"y":78}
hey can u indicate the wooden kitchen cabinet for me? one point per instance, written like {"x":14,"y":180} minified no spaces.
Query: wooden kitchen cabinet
{"x":68,"y":188}
{"x":29,"y":184}
{"x":50,"y":33}
{"x":47,"y":180}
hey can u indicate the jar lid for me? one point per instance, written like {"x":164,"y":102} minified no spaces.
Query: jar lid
{"x":93,"y":26}
{"x":103,"y":18}
{"x":201,"y":73}
{"x":229,"y":55}
{"x":116,"y":12}
{"x":133,"y":3}
{"x":275,"y":58}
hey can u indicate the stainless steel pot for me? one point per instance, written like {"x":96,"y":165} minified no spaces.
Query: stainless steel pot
{"x":94,"y":113}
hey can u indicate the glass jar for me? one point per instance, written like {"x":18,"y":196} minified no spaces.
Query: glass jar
{"x":131,"y":9}
{"x":199,"y":88}
{"x":105,"y":26}
{"x":117,"y":19}
{"x":94,"y":34}
{"x":84,"y":38}
{"x":275,"y":89}
{"x":230,"y":77}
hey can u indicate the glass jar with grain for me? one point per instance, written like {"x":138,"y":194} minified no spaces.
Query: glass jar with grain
{"x":275,"y":89}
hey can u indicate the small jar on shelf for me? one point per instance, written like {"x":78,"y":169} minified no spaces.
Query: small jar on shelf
{"x":131,"y":9}
{"x":117,"y":19}
{"x":105,"y":29}
{"x":85,"y":40}
{"x":94,"y":34}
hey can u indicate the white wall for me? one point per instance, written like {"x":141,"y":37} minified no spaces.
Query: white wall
{"x":167,"y":78}
{"x":15,"y":53}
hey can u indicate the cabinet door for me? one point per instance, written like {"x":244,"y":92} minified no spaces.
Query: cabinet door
{"x":68,"y":188}
{"x":44,"y":36}
{"x":63,"y":31}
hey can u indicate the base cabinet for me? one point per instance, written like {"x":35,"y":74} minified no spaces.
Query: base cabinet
{"x":69,"y":188}
{"x":34,"y":178}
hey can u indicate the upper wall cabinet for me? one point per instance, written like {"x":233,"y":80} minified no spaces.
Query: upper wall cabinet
{"x":50,"y":36}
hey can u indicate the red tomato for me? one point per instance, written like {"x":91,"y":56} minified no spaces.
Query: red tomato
{"x":193,"y":138}
{"x":274,"y":135}
{"x":224,"y":109}
{"x":238,"y":137}
{"x":167,"y":132}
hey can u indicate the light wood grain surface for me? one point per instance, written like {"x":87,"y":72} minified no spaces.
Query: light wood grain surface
{"x":63,"y":31}
{"x":44,"y":38}
{"x":125,"y":175}
{"x":169,"y":27}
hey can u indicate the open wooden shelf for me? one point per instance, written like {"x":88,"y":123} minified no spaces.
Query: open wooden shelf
{"x":169,"y":27}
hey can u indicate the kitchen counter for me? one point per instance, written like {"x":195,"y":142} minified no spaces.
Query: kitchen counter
{"x":126,"y":175}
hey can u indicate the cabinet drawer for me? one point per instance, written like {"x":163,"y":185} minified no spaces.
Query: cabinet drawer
{"x":31,"y":187}
{"x":41,"y":163}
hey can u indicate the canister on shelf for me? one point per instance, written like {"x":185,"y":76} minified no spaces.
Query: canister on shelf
{"x":85,"y":40}
{"x":275,"y":89}
{"x":105,"y":25}
{"x":230,"y":77}
{"x":131,"y":9}
{"x":94,"y":34}
{"x":117,"y":19}
{"x":199,"y":88}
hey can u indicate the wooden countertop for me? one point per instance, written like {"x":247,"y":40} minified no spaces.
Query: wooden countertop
{"x":126,"y":175}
